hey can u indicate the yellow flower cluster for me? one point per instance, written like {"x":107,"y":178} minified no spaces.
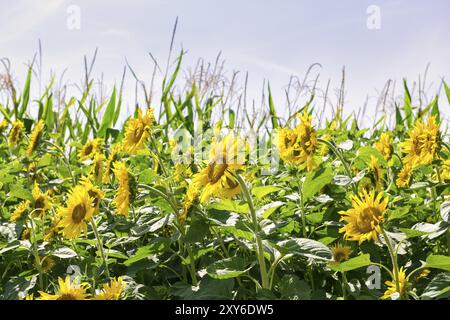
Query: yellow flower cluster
{"x":298,"y":146}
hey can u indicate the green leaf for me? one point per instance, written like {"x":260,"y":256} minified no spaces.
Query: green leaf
{"x":108,"y":117}
{"x":407,"y":107}
{"x":260,"y":192}
{"x":231,"y":118}
{"x":291,"y":287}
{"x":20,"y":192}
{"x":438,"y":286}
{"x":412,"y":233}
{"x":230,"y":205}
{"x":273,"y":114}
{"x":25,"y":94}
{"x":305,"y":247}
{"x":228,"y":268}
{"x":158,"y":245}
{"x":398,"y":213}
{"x":438,"y":262}
{"x":266,"y":210}
{"x":366,"y":153}
{"x":17,"y":287}
{"x":447,"y":91}
{"x":315,"y":181}
{"x":445,"y":211}
{"x":352,"y":264}
{"x":64,"y":253}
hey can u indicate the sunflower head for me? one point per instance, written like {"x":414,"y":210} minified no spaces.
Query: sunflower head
{"x":377,"y":173}
{"x":298,"y":146}
{"x":365,"y":217}
{"x":34,"y":138}
{"x":217,"y":178}
{"x":3,"y":125}
{"x":392,"y":288}
{"x":26,"y":234}
{"x":404,"y":176}
{"x":42,"y":201}
{"x":20,"y":211}
{"x":94,"y":192}
{"x":67,"y":290}
{"x":181,"y":173}
{"x":91,"y":148}
{"x":16,"y":133}
{"x":113,"y":157}
{"x":77,"y":213}
{"x":98,"y":168}
{"x":138,"y":131}
{"x":340,"y":253}
{"x":124,"y":193}
{"x":423,"y":143}
{"x":384,"y":145}
{"x":47,"y":264}
{"x":111,"y":291}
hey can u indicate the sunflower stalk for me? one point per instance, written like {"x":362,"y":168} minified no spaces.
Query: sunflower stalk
{"x":100,"y":246}
{"x":344,"y":286}
{"x":36,"y":253}
{"x":394,"y":260}
{"x":342,"y":159}
{"x":256,"y":231}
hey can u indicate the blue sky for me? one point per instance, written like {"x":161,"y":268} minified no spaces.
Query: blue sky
{"x":269,"y":39}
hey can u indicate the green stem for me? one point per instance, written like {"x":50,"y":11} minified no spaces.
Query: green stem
{"x":394,"y":260}
{"x":36,"y":254}
{"x":342,"y":159}
{"x":100,"y":246}
{"x":256,"y":231}
{"x":344,"y":286}
{"x":302,"y":208}
{"x":65,"y":160}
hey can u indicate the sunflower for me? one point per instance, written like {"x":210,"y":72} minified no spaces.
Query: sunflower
{"x":97,"y":169}
{"x":34,"y":138}
{"x":217,"y":178}
{"x":138,"y":131}
{"x":26,"y":234}
{"x":3,"y":125}
{"x":377,"y":173}
{"x":94,"y":192}
{"x":111,"y":291}
{"x":404,"y":176}
{"x":392,"y":288}
{"x":340,"y":253}
{"x":323,"y":149}
{"x":124,"y":192}
{"x":47,"y":264}
{"x":15,"y":135}
{"x":42,"y":201}
{"x":423,"y":143}
{"x":78,"y":211}
{"x":113,"y":156}
{"x":365,"y":217}
{"x":444,"y":171}
{"x":91,"y":148}
{"x":67,"y":290}
{"x":53,"y":230}
{"x":182,"y":172}
{"x":20,"y":210}
{"x":384,"y":145}
{"x":298,"y":146}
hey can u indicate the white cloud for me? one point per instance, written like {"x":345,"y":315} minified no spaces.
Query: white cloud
{"x":24,"y":16}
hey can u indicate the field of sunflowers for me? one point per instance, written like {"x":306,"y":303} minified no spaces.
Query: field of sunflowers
{"x":178,"y":204}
